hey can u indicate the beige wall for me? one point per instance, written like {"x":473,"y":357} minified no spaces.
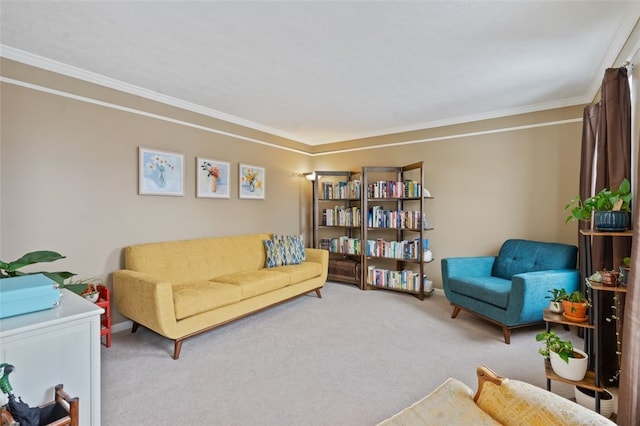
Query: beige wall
{"x":69,"y":176}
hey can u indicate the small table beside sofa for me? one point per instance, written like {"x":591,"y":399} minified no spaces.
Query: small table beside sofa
{"x":180,"y":289}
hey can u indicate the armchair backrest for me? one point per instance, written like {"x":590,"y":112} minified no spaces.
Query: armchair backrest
{"x":520,"y":256}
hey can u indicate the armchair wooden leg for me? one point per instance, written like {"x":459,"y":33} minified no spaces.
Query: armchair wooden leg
{"x":456,"y":311}
{"x":318,"y":293}
{"x":134,"y":327}
{"x":507,"y":335}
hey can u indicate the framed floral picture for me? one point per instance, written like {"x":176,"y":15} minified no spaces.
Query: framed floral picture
{"x":160,"y":172}
{"x":212,"y":178}
{"x":252,"y":182}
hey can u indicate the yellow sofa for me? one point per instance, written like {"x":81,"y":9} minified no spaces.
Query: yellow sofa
{"x":497,"y":401}
{"x":182,"y":288}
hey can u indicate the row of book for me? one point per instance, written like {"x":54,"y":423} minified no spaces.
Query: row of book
{"x":392,"y":189}
{"x":342,"y":245}
{"x":402,"y":280}
{"x":340,"y":190}
{"x":378,"y":217}
{"x":406,"y":250}
{"x":341,"y":216}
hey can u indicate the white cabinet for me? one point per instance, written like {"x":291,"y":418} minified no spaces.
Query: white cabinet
{"x":55,"y":346}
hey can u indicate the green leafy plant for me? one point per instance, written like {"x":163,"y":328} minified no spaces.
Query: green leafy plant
{"x":553,"y":342}
{"x":12,"y":269}
{"x":557,"y":294}
{"x":605,"y":200}
{"x":626,"y":261}
{"x":578,"y":297}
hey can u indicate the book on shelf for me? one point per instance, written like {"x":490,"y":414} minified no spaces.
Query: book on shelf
{"x":403,"y":250}
{"x":341,"y":216}
{"x":378,"y":217}
{"x":341,"y":245}
{"x":392,"y":189}
{"x":401,"y":280}
{"x":340,"y":190}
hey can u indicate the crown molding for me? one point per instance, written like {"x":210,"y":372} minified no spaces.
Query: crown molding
{"x":99,"y":79}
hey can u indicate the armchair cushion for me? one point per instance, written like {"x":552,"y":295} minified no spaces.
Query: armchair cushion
{"x":519,"y":256}
{"x":489,"y":289}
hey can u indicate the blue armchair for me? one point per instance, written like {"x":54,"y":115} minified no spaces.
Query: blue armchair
{"x":510,"y":289}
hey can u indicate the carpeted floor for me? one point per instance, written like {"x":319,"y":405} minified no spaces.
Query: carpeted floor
{"x":351,"y":358}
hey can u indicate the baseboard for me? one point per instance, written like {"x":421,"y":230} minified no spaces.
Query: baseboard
{"x":121,"y":326}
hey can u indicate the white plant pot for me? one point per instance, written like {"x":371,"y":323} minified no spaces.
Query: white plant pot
{"x":606,"y":405}
{"x":556,"y":307}
{"x":574,"y":370}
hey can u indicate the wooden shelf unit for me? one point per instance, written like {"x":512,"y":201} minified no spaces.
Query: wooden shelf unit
{"x":357,"y":233}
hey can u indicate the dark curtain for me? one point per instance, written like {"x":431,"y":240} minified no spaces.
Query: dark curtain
{"x":606,"y":161}
{"x":629,"y":391}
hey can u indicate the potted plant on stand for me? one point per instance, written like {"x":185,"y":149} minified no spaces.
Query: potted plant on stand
{"x":610,"y":208}
{"x":575,"y":306}
{"x":566,"y":361}
{"x":557,"y":296}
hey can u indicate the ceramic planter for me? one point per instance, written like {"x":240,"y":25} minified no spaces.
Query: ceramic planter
{"x":611,"y":220}
{"x":624,"y":275}
{"x":586,"y":398}
{"x":574,"y":370}
{"x":556,"y":307}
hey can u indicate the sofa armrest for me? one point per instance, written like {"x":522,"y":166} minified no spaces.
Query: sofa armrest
{"x":512,"y":402}
{"x":320,"y":256}
{"x":474,"y":266}
{"x":529,"y":292}
{"x":145,"y":299}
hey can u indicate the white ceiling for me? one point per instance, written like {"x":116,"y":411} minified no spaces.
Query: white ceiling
{"x":319,"y":71}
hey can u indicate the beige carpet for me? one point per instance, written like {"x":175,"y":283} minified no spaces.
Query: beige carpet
{"x":351,"y":358}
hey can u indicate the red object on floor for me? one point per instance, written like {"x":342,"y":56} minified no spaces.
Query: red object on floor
{"x":104,"y":301}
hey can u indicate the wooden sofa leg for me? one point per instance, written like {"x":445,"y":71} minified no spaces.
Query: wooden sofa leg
{"x":318,"y":293}
{"x":456,"y":311}
{"x":176,"y":349}
{"x":507,"y":335}
{"x":134,"y":327}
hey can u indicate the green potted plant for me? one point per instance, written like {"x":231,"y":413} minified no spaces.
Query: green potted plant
{"x":566,"y":361}
{"x":610,"y":208}
{"x":12,"y":269}
{"x":575,"y":306}
{"x":87,"y":288}
{"x":624,"y":270}
{"x":557,"y":296}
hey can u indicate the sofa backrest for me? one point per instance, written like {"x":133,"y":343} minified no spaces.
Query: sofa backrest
{"x":199,"y":259}
{"x":520,"y":256}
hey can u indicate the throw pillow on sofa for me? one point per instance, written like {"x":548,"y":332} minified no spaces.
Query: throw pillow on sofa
{"x":285,"y":250}
{"x":274,"y":253}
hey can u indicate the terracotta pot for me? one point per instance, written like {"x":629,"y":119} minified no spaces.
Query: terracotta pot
{"x":577,"y":310}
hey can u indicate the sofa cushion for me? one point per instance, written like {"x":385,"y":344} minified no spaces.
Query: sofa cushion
{"x":274,"y":253}
{"x":254,"y":283}
{"x":490,"y":289}
{"x":520,"y":256}
{"x":196,"y":297}
{"x":302,"y":272}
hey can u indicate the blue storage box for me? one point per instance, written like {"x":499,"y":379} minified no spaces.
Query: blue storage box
{"x":27,"y":293}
